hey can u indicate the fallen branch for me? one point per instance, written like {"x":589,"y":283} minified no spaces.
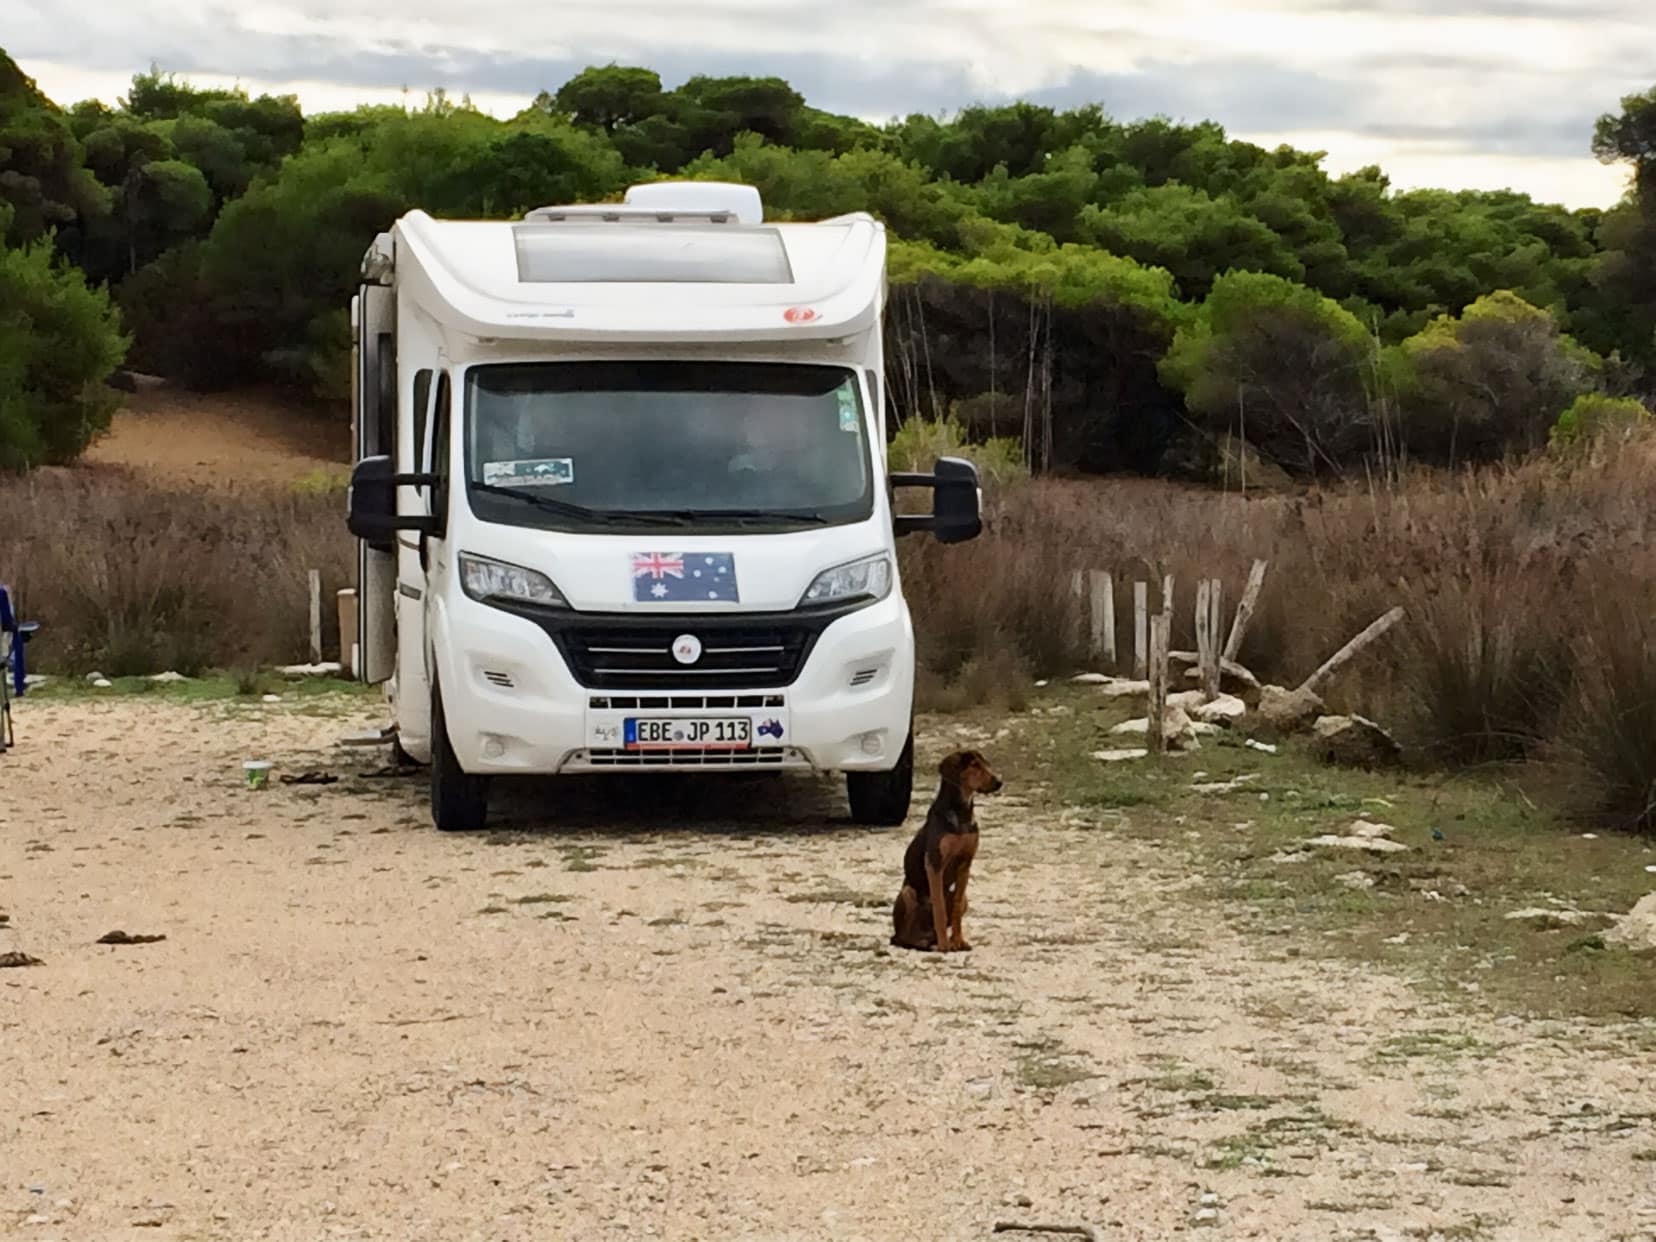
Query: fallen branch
{"x":1090,"y":1232}
{"x":1350,"y":651}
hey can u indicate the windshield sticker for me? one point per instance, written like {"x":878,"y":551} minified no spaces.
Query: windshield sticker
{"x":537,"y":472}
{"x":847,"y":409}
{"x":673,"y":577}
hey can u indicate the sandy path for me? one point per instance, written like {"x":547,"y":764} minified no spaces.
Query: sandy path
{"x":586,"y":1025}
{"x":222,"y":438}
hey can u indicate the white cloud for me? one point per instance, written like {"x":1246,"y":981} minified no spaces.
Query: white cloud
{"x":1460,"y":92}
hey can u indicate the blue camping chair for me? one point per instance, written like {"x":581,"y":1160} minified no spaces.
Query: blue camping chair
{"x":14,"y":639}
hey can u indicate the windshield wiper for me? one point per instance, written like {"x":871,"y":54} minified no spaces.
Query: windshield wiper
{"x":579,"y":513}
{"x":776,"y":516}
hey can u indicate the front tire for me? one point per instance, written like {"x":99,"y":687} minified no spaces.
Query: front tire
{"x":881,"y":799}
{"x":459,"y":800}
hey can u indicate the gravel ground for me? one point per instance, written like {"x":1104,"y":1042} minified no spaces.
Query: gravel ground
{"x":646,"y":1010}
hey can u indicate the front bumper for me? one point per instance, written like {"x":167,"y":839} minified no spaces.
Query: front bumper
{"x":514,"y":707}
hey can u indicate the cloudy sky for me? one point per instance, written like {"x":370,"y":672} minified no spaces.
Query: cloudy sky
{"x":1473,"y":93}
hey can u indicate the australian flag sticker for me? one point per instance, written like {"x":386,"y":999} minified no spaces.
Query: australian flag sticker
{"x":680,"y":578}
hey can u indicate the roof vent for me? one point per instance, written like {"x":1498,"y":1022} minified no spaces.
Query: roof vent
{"x":741,"y":201}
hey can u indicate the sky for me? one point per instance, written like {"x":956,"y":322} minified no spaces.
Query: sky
{"x":1482,"y":94}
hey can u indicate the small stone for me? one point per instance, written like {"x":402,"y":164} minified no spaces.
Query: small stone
{"x":1207,"y":1216}
{"x":169,"y":678}
{"x":103,"y":683}
{"x":1373,"y":845}
{"x":95,"y":678}
{"x":1264,"y":748}
{"x":1119,"y":756}
{"x":1550,"y":919}
{"x":1091,"y":679}
{"x":38,"y":1219}
{"x":1209,"y":1199}
{"x":1358,"y":880}
{"x":271,"y":698}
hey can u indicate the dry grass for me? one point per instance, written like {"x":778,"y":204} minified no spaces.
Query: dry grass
{"x":1527,"y":587}
{"x":1524,"y":588}
{"x":133,"y":576}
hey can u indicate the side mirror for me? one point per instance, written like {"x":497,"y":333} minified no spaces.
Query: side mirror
{"x":371,"y":503}
{"x":957,"y":501}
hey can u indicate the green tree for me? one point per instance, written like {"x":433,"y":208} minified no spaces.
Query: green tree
{"x":42,"y":176}
{"x":610,"y":98}
{"x":1492,"y":381}
{"x":59,"y":342}
{"x":1287,"y":371}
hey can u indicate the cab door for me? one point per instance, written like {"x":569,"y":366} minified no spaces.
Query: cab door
{"x":374,"y":413}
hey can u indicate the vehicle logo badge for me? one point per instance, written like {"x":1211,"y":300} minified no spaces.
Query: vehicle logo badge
{"x":687,"y":649}
{"x":799,"y":314}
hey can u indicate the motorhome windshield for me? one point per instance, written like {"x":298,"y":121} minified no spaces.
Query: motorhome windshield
{"x":714,"y":445}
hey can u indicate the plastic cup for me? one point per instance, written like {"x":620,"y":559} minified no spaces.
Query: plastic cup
{"x":257,"y":772}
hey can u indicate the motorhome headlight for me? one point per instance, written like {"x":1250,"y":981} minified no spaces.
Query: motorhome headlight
{"x":869,"y":578}
{"x":486,"y":580}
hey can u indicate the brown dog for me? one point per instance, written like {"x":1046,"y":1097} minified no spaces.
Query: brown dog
{"x":928,"y":911}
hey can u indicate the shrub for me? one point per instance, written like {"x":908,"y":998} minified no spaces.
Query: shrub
{"x":1607,"y":742}
{"x":59,"y":343}
{"x":1594,"y":415}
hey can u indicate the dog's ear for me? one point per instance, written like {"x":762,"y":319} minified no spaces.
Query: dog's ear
{"x":952,"y":766}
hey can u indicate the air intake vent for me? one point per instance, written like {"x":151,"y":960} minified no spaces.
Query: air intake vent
{"x":863,"y":676}
{"x":503,"y":680}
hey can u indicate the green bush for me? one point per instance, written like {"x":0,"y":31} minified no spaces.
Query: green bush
{"x":59,"y":342}
{"x":1593,"y":415}
{"x":921,"y":441}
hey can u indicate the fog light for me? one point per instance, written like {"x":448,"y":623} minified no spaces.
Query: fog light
{"x":494,"y":748}
{"x":872,"y":743}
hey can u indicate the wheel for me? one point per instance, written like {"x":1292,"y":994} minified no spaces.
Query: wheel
{"x":881,"y":799}
{"x":459,"y":800}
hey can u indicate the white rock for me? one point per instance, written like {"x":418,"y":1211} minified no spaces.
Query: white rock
{"x":1370,"y":830}
{"x":1636,"y":930}
{"x":1091,"y":679}
{"x":1545,"y":918}
{"x":1226,"y":709}
{"x":168,"y":678}
{"x":103,"y":683}
{"x":1264,"y":748}
{"x":1225,"y":787}
{"x":94,"y":677}
{"x":1374,"y":845}
{"x":1119,"y":756}
{"x":325,"y":669}
{"x":271,"y":698}
{"x":1116,"y":688}
{"x":34,"y":681}
{"x":1355,"y":879}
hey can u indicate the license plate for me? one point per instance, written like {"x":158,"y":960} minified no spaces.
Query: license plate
{"x":691,"y":734}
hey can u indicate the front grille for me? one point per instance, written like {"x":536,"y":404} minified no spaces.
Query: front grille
{"x":683,"y":702}
{"x":624,"y":651}
{"x":770,"y":756}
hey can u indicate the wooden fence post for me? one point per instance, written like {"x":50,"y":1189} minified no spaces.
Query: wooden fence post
{"x":1103,"y":616}
{"x":1245,"y":610}
{"x":1156,"y":722}
{"x":315,"y":616}
{"x":1141,"y":629}
{"x":1215,"y":625}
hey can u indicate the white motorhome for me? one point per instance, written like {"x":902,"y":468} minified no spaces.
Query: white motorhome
{"x":622,"y":502}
